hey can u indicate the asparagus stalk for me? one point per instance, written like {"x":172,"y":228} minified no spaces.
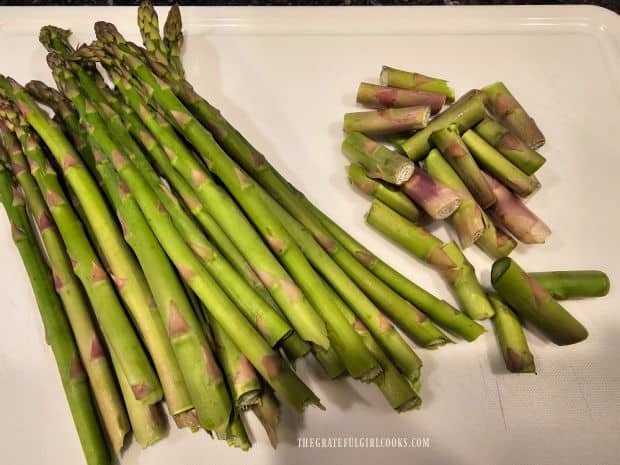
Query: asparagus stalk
{"x":148,"y":23}
{"x":465,"y":113}
{"x":388,"y":121}
{"x":449,"y":143}
{"x":468,"y":220}
{"x":330,"y":362}
{"x":466,"y":285}
{"x":494,"y":241}
{"x":513,"y":214}
{"x":534,"y":303}
{"x":407,"y":317}
{"x":495,"y":163}
{"x":407,"y":80}
{"x":57,"y":329}
{"x":509,"y":145}
{"x":512,"y":342}
{"x":388,"y":195}
{"x":111,"y":316}
{"x":236,"y":435}
{"x":503,"y":105}
{"x":413,"y":238}
{"x":439,"y":310}
{"x":379,"y":161}
{"x":437,"y":199}
{"x":173,"y":39}
{"x":564,"y":285}
{"x":268,"y":413}
{"x":381,"y":97}
{"x":77,"y":308}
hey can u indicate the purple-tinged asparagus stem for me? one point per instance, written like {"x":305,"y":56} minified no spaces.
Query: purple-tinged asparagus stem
{"x":389,"y":121}
{"x":374,"y":96}
{"x":436,"y":199}
{"x":408,"y":80}
{"x":455,"y":152}
{"x":510,"y":112}
{"x":514,"y":215}
{"x":378,"y":161}
{"x":509,"y":145}
{"x":495,"y":163}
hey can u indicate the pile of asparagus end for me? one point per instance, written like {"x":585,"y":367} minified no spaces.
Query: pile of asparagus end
{"x":472,"y":164}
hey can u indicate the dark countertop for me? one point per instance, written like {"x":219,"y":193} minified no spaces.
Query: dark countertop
{"x":613,"y":5}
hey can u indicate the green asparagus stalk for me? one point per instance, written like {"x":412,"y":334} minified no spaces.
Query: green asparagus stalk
{"x":57,"y":328}
{"x":495,"y":163}
{"x":449,"y":143}
{"x":465,"y":113}
{"x":388,"y":195}
{"x":236,"y":435}
{"x":513,"y":214}
{"x":111,"y":316}
{"x":564,"y":285}
{"x":512,"y":342}
{"x":413,"y":238}
{"x":173,"y":39}
{"x":330,"y":362}
{"x":148,"y":23}
{"x":510,"y":112}
{"x":407,"y":80}
{"x":534,"y":303}
{"x":466,"y":285}
{"x":509,"y":145}
{"x":468,"y":220}
{"x":268,"y":413}
{"x":389,"y":121}
{"x":494,"y":241}
{"x":380,"y":97}
{"x":379,"y":161}
{"x":435,"y":198}
{"x":77,"y":308}
{"x":439,"y":310}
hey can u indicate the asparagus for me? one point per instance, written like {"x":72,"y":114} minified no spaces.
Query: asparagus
{"x":380,"y":97}
{"x":330,"y":362}
{"x":564,"y":285}
{"x":494,"y":241}
{"x":57,"y":329}
{"x":509,"y":145}
{"x":173,"y":39}
{"x":512,"y":342}
{"x":465,"y":113}
{"x":468,"y":220}
{"x":268,"y":413}
{"x":236,"y":435}
{"x":388,"y":121}
{"x":110,"y":314}
{"x":379,"y":161}
{"x":495,"y":163}
{"x":414,"y":239}
{"x":513,"y":214}
{"x":466,"y":285}
{"x":77,"y":308}
{"x":513,"y":116}
{"x":534,"y":303}
{"x":406,"y":80}
{"x":435,"y":198}
{"x":390,"y":196}
{"x":148,"y":23}
{"x":449,"y":143}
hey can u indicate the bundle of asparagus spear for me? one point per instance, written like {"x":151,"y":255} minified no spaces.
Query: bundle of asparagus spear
{"x":472,"y":164}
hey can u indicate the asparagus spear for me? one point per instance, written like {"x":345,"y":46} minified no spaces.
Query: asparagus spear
{"x":494,"y":241}
{"x":512,"y":342}
{"x":379,"y":161}
{"x":407,"y":80}
{"x":465,"y":112}
{"x":111,"y":316}
{"x":495,"y":163}
{"x":513,"y":214}
{"x":390,"y":196}
{"x":388,"y":121}
{"x":468,"y":220}
{"x":437,"y":199}
{"x":380,"y":97}
{"x":439,"y":310}
{"x":173,"y":39}
{"x":57,"y":328}
{"x":534,"y":303}
{"x":268,"y":413}
{"x":449,"y":143}
{"x":564,"y":285}
{"x":513,"y":115}
{"x":236,"y":435}
{"x":77,"y":308}
{"x":509,"y":145}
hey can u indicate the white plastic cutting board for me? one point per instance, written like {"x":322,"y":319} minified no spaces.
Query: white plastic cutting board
{"x":284,"y":77}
